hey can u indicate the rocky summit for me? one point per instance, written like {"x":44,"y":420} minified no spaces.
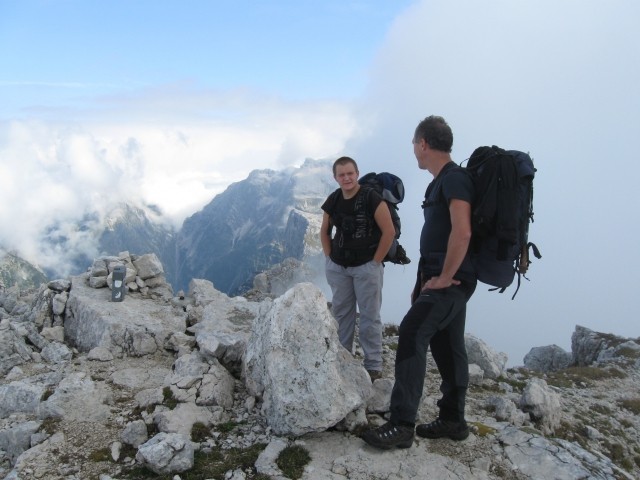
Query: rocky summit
{"x":200,"y":385}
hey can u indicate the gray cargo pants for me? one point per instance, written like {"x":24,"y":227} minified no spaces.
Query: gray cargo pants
{"x":361,"y":285}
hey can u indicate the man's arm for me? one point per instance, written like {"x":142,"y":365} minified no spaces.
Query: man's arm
{"x":382,"y":216}
{"x":325,"y":234}
{"x":457,"y":245}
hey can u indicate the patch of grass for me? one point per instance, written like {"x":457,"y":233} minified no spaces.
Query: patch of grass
{"x":50,"y":425}
{"x":152,"y":430}
{"x":168,"y":399}
{"x":292,"y":460}
{"x":393,"y":346}
{"x":517,"y":385}
{"x":482,"y":430}
{"x":572,"y":433}
{"x":631,"y":404}
{"x":101,"y":455}
{"x":46,"y":394}
{"x":629,"y":352}
{"x":626,"y":423}
{"x":200,"y":432}
{"x":616,"y":373}
{"x":600,"y":408}
{"x":226,"y":427}
{"x":582,"y":376}
{"x":391,"y":330}
{"x":561,"y":380}
{"x":618,"y":455}
{"x":210,"y":465}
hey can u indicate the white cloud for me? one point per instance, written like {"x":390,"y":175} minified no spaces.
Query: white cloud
{"x":558,"y":79}
{"x":171,"y":147}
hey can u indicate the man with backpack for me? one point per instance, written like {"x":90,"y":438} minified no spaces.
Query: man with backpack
{"x":446,"y":280}
{"x":354,"y":270}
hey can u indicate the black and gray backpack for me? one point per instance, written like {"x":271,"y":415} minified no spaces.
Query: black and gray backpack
{"x":391,"y":189}
{"x":501,"y":214}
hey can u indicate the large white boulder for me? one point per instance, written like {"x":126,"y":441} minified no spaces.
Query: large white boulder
{"x":294,"y":361}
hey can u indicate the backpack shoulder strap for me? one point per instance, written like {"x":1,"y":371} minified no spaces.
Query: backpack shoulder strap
{"x":436,"y":185}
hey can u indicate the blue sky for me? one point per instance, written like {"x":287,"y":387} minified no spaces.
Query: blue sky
{"x":169,"y":102}
{"x":59,"y":53}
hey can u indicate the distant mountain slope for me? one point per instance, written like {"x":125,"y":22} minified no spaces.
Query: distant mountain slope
{"x":253,"y":225}
{"x":17,"y":271}
{"x":129,"y":228}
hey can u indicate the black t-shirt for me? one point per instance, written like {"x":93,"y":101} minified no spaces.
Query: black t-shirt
{"x":452,"y":182}
{"x":357,"y":234}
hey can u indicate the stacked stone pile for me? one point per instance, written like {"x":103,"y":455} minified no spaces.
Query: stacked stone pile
{"x":91,"y":388}
{"x":144,"y":274}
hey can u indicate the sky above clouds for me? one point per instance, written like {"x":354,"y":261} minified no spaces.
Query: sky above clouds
{"x":167,"y":103}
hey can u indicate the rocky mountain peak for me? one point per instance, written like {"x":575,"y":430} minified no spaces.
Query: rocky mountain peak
{"x":174,"y":385}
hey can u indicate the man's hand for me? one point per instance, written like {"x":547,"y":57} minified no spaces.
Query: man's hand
{"x":436,"y":283}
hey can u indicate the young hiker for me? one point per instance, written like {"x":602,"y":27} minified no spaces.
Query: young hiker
{"x":446,"y":281}
{"x":354,"y":270}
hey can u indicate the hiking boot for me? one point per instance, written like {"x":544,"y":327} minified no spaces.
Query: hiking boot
{"x":374,"y":375}
{"x":444,"y":428}
{"x":389,"y":435}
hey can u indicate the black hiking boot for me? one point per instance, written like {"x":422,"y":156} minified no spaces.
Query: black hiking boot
{"x":389,"y":435}
{"x":444,"y":428}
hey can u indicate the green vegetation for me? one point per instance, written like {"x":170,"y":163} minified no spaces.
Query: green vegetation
{"x":227,"y":427}
{"x":292,"y":461}
{"x":100,"y":455}
{"x":200,"y":432}
{"x":391,"y":330}
{"x":631,"y":404}
{"x":169,"y":400}
{"x":482,"y":430}
{"x":628,"y":352}
{"x":211,"y":464}
{"x":50,"y":425}
{"x":46,"y":394}
{"x":518,"y":385}
{"x":582,"y":377}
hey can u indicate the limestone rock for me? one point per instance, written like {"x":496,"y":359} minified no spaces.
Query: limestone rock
{"x":134,"y":327}
{"x":491,"y":362}
{"x":547,"y":359}
{"x":167,"y":453}
{"x":148,"y":266}
{"x":542,"y":404}
{"x":295,"y":362}
{"x":135,"y":433}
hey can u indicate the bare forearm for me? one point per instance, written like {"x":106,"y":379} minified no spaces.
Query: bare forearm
{"x":456,"y":250}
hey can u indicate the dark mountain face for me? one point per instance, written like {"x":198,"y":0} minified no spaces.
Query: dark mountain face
{"x":253,"y":225}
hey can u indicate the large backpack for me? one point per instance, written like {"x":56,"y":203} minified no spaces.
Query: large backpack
{"x":391,"y":189}
{"x":501,"y":213}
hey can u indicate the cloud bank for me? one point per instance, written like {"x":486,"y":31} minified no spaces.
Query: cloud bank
{"x":557,"y":79}
{"x":173,"y":147}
